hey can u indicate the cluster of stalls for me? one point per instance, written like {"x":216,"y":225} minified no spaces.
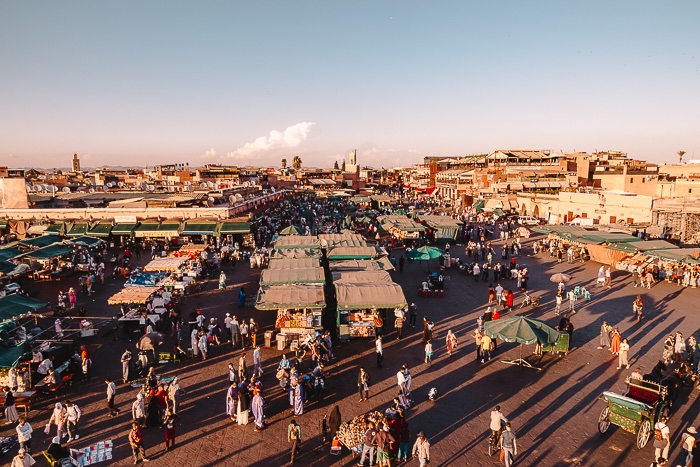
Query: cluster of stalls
{"x":442,"y":228}
{"x":312,"y":278}
{"x":121,"y":230}
{"x":141,"y":306}
{"x":628,"y":253}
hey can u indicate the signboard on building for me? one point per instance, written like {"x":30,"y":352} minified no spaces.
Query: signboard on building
{"x":125,"y":219}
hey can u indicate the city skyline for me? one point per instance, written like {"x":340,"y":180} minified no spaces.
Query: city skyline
{"x":243,"y":83}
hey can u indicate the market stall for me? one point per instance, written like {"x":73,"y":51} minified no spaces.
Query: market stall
{"x":362,"y":252}
{"x":359,"y":305}
{"x":294,"y":263}
{"x":347,"y":239}
{"x":137,"y":305}
{"x":169,"y":264}
{"x":299,"y":307}
{"x":297,"y":241}
{"x":379,"y":264}
{"x":445,"y":227}
{"x":292,"y":276}
{"x":401,"y":227}
{"x":295,"y":253}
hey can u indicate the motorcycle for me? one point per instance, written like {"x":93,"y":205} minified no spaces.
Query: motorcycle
{"x":534,"y":301}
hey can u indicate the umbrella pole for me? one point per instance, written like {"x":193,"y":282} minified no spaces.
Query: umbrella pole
{"x":520,"y":361}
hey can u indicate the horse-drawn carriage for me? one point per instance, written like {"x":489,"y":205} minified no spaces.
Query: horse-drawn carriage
{"x":637,"y":410}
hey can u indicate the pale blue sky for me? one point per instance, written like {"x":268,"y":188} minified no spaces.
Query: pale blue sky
{"x":129,"y":83}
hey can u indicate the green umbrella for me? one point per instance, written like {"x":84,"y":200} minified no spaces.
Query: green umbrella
{"x":400,"y":212}
{"x":425,"y":253}
{"x":364,"y":219}
{"x":523,"y":331}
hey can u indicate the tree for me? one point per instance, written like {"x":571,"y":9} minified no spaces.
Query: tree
{"x":680,"y":156}
{"x":284,"y":163}
{"x":335,"y":166}
{"x":296,"y":163}
{"x":343,"y":168}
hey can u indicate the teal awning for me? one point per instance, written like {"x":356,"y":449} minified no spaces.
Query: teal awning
{"x":86,"y":241}
{"x":9,"y":253}
{"x":12,"y":306}
{"x":479,"y":204}
{"x":57,"y":228}
{"x":40,"y":242}
{"x":199,"y":228}
{"x":77,"y":230}
{"x":6,"y":267}
{"x":51,"y":251}
{"x":231,"y":228}
{"x":100,"y":230}
{"x":3,"y":225}
{"x":124,"y":229}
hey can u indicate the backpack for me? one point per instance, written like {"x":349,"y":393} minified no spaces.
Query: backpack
{"x":658,"y":435}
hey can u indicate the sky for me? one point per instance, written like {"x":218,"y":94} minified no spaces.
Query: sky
{"x":136,"y":83}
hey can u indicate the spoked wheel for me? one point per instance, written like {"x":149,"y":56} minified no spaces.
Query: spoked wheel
{"x":644,"y":434}
{"x":492,"y":446}
{"x":604,"y":420}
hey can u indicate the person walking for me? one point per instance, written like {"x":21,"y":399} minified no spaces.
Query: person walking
{"x":379,"y":350}
{"x":227,"y":325}
{"x":256,"y":406}
{"x":368,"y":447}
{"x":486,"y":345}
{"x":73,"y":415}
{"x":509,"y":445}
{"x":127,"y":366}
{"x":235,"y":332}
{"x":450,"y":342}
{"x":243,"y":328}
{"x":136,"y":443}
{"x":622,"y":355}
{"x":421,"y":450}
{"x":174,"y":392}
{"x":253,"y":332}
{"x":605,"y":331}
{"x":398,"y":324}
{"x":111,"y":392}
{"x":363,"y":382}
{"x":428,"y":353}
{"x":558,"y":300}
{"x":257,"y":362}
{"x":412,"y":314}
{"x":662,"y":438}
{"x":242,"y":372}
{"x":687,"y":444}
{"x":169,"y":424}
{"x":138,"y":409}
{"x":11,"y":415}
{"x":334,"y":420}
{"x":478,"y":336}
{"x":24,"y":434}
{"x":294,"y":438}
{"x":572,"y":301}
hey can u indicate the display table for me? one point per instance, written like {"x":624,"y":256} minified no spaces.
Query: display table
{"x":361,"y":329}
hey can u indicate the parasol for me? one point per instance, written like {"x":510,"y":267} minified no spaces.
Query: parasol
{"x":523,"y":331}
{"x":425,"y":253}
{"x":290,"y":230}
{"x":560,"y":277}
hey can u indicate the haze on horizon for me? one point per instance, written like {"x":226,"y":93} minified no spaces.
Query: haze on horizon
{"x":250,"y":83}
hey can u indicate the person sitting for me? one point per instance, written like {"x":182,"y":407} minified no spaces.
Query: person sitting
{"x":53,"y":378}
{"x":440,"y":285}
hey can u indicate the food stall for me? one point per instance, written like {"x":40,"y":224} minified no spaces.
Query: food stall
{"x":292,"y":276}
{"x":347,"y":239}
{"x":299,"y":307}
{"x":359,"y":304}
{"x":343,"y":252}
{"x":137,"y":304}
{"x":293,"y":263}
{"x":295,"y":253}
{"x":380,"y":264}
{"x":297,"y":241}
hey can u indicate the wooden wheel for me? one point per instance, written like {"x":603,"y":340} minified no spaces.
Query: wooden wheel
{"x":644,"y":434}
{"x":604,"y":420}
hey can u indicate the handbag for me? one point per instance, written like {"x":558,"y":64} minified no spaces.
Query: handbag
{"x":503,"y":454}
{"x":47,"y":429}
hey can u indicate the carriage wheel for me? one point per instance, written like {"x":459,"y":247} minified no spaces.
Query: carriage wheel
{"x":644,"y":434}
{"x":604,"y":420}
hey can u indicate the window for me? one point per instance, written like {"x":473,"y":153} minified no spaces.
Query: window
{"x":631,"y":179}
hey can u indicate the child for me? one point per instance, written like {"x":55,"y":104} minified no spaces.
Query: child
{"x":428,"y":352}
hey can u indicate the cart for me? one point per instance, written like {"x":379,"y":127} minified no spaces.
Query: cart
{"x":560,"y":347}
{"x":637,"y":411}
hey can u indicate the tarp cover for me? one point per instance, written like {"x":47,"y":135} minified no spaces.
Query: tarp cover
{"x":230,"y":228}
{"x":139,"y":295}
{"x":277,"y":297}
{"x":101,"y":229}
{"x":298,"y":241}
{"x":344,"y":239}
{"x":364,"y":252}
{"x":360,"y":277}
{"x":381,"y":264}
{"x":643,"y":245}
{"x":51,"y":251}
{"x":40,"y":242}
{"x":295,"y":253}
{"x":292,"y":276}
{"x":124,"y":229}
{"x":77,"y":230}
{"x":15,"y":305}
{"x":199,"y":228}
{"x":365,"y":296}
{"x":164,"y":264}
{"x":294,"y":263}
{"x":9,"y":253}
{"x":87,"y":241}
{"x":522,"y":330}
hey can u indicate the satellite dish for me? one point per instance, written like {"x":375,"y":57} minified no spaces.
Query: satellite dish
{"x":110,"y":184}
{"x":202,"y":185}
{"x":66,"y":189}
{"x":105,"y":188}
{"x":239,"y":198}
{"x":144,"y":185}
{"x":38,"y":188}
{"x":231,"y":199}
{"x":91,"y":190}
{"x":188,"y":183}
{"x":120,"y":184}
{"x":151,"y":188}
{"x":210,"y":184}
{"x":171,"y":189}
{"x":136,"y":184}
{"x":210,"y":202}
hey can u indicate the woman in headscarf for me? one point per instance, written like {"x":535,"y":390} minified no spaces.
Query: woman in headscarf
{"x":153,"y":419}
{"x":222,"y":280}
{"x":232,"y":401}
{"x":58,"y":418}
{"x":334,"y":420}
{"x":451,"y":342}
{"x":296,"y":395}
{"x":138,"y":409}
{"x":256,"y":407}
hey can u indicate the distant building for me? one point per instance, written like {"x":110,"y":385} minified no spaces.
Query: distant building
{"x":76,"y":164}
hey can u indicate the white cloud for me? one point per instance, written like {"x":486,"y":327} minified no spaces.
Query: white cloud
{"x":208,"y":154}
{"x":292,"y":137}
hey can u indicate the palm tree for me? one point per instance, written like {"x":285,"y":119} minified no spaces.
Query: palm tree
{"x":296,"y":162}
{"x":680,"y":156}
{"x":284,"y":163}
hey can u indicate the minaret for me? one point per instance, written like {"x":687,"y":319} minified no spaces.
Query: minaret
{"x":76,"y":163}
